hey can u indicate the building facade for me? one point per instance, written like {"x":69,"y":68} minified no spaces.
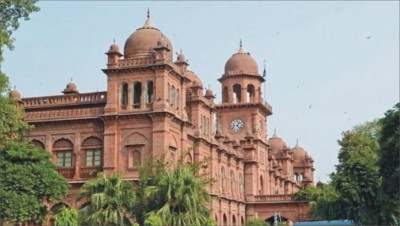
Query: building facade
{"x":155,"y":105}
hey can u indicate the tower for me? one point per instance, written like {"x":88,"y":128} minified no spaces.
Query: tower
{"x":243,"y":111}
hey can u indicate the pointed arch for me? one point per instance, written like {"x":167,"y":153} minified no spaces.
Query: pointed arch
{"x":250,"y":93}
{"x":149,"y":91}
{"x":62,"y":149}
{"x":137,"y":94}
{"x":237,"y":93}
{"x":38,"y":144}
{"x":233,"y":219}
{"x":124,"y":94}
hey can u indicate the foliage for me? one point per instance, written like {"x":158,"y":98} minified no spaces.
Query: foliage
{"x":389,"y":141}
{"x":256,"y":222}
{"x":177,"y":196}
{"x":153,"y":220}
{"x":27,"y":178}
{"x":309,"y":193}
{"x":111,"y":198}
{"x":66,"y":217}
{"x":10,"y":12}
{"x":11,"y":124}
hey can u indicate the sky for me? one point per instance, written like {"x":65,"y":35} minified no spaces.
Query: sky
{"x":330,"y":64}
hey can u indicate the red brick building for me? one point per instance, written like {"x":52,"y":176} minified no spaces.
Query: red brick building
{"x":153,"y":105}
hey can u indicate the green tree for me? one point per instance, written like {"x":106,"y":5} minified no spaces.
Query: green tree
{"x":256,"y":222}
{"x":111,"y":198}
{"x":389,"y":141}
{"x":27,"y":178}
{"x":66,"y":217}
{"x":11,"y":124}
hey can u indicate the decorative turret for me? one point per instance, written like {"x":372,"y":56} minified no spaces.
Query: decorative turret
{"x":70,"y":89}
{"x":113,"y":55}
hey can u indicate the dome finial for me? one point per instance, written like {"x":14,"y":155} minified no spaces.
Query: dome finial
{"x":240,"y":47}
{"x":148,"y":23}
{"x":274,"y":135}
{"x":297,"y":143}
{"x":114,"y":40}
{"x":265,"y":70}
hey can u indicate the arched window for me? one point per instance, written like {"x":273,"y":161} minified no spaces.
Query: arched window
{"x":225,"y":223}
{"x":150,"y":91}
{"x":232,"y":182}
{"x":173,"y":96}
{"x":295,"y":177}
{"x":134,"y":159}
{"x":241,"y":220}
{"x":137,"y":94}
{"x":92,"y":148}
{"x":237,"y":89}
{"x":225,"y":97}
{"x":63,"y":151}
{"x":216,"y":218}
{"x":169,"y":94}
{"x":223,"y":185}
{"x":250,"y":93}
{"x":124,"y":94}
{"x":38,"y":144}
{"x":261,"y":185}
{"x":233,"y":220}
{"x":177,"y":98}
{"x":241,"y":184}
{"x":301,"y":177}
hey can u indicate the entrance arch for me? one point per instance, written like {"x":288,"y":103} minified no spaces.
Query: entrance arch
{"x":279,"y":218}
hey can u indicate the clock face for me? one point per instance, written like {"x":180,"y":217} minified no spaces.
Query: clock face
{"x":237,"y":125}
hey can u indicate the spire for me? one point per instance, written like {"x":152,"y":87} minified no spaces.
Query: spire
{"x":240,"y":47}
{"x":297,"y":143}
{"x":274,"y":136}
{"x":148,"y":23}
{"x":265,"y":70}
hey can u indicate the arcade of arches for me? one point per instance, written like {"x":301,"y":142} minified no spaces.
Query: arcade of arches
{"x":155,"y":105}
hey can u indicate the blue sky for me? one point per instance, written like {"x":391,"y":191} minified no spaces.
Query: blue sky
{"x":330,"y":64}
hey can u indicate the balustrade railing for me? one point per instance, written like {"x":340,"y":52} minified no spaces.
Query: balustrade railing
{"x":67,"y":173}
{"x":90,"y":172}
{"x":97,"y":97}
{"x":273,"y":198}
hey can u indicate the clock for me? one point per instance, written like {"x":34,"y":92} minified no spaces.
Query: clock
{"x":237,"y":125}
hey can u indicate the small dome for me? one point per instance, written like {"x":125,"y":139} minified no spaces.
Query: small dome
{"x":181,"y":57}
{"x":70,"y":88}
{"x":144,"y":40}
{"x":298,"y":152}
{"x":277,"y":144}
{"x":241,"y":63}
{"x":193,"y":77}
{"x":114,"y":48}
{"x":16,"y":94}
{"x":209,"y":92}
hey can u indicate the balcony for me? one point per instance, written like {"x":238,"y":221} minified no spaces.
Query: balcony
{"x":67,"y":173}
{"x":90,"y":172}
{"x":273,"y":198}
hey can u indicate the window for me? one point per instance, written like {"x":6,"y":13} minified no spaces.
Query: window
{"x":173,"y":96}
{"x":93,"y":157}
{"x":93,"y":148}
{"x":241,"y":184}
{"x":64,"y":159}
{"x":232,"y":182}
{"x":62,"y":149}
{"x":250,"y":93}
{"x":237,"y":89}
{"x":150,"y":90}
{"x":223,"y":178}
{"x":177,"y":99}
{"x":137,"y":94}
{"x":124,"y":94}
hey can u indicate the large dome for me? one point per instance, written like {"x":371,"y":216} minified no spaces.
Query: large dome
{"x":241,"y":63}
{"x":144,"y":40}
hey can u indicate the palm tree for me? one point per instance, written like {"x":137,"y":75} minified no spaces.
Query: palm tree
{"x":110,"y":201}
{"x":183,"y":196}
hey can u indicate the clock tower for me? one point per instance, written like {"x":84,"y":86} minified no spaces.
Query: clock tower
{"x":243,"y":111}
